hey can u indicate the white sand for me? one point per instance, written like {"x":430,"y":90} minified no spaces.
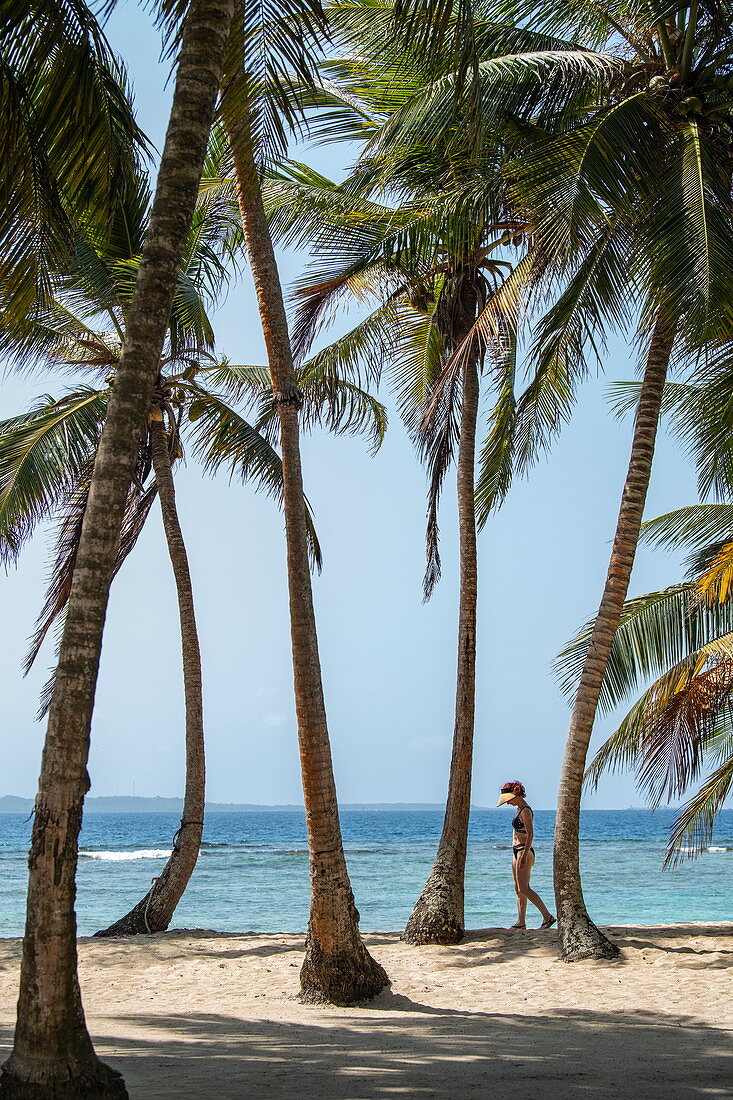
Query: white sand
{"x":215,"y":1016}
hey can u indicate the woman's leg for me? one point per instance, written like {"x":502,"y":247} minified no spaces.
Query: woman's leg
{"x":521,"y":900}
{"x":526,"y":891}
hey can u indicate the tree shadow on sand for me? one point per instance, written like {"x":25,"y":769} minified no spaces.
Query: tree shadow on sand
{"x":404,"y":1049}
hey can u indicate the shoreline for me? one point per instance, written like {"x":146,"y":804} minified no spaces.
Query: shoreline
{"x":715,"y":926}
{"x":709,"y":926}
{"x":196,"y":1013}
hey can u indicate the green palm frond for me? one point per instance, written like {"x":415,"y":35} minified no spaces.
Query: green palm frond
{"x":42,"y":453}
{"x":680,"y":726}
{"x":304,"y":208}
{"x":690,"y":238}
{"x":571,"y":182}
{"x":569,"y":335}
{"x":534,"y":84}
{"x":189,"y":321}
{"x":66,"y":542}
{"x":665,"y":734}
{"x":333,"y":114}
{"x":237,"y":382}
{"x":69,"y":140}
{"x":363,"y":353}
{"x":679,"y":398}
{"x":416,"y":365}
{"x":657,"y":630}
{"x":363,"y":280}
{"x":705,"y":421}
{"x":275,"y":46}
{"x":340,"y":405}
{"x":438,"y":444}
{"x":700,"y":414}
{"x":695,"y":527}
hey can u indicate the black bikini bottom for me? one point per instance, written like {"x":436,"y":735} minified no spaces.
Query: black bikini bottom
{"x":520,"y":848}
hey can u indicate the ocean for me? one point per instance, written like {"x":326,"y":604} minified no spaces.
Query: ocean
{"x":252,"y":874}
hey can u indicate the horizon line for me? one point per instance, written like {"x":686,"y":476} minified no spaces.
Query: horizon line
{"x":299,"y":806}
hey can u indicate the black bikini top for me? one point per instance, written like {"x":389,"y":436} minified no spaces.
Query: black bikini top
{"x":517,"y":823}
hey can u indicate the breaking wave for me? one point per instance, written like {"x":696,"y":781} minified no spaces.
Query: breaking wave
{"x":123,"y":857}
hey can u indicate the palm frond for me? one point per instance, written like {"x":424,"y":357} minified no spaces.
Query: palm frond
{"x":497,"y":457}
{"x":275,"y":46}
{"x":657,"y":630}
{"x":69,"y":140}
{"x":42,"y":453}
{"x":438,"y":444}
{"x":692,"y":830}
{"x":535,"y":84}
{"x":715,"y":584}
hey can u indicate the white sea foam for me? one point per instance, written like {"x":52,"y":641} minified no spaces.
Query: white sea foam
{"x":709,"y":848}
{"x":123,"y":857}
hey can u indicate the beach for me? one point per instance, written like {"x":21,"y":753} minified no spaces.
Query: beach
{"x":194,"y":1014}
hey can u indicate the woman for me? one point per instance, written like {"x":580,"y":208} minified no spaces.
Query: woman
{"x":512,"y":794}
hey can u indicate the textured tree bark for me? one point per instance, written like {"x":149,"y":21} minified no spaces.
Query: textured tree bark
{"x":579,"y":937}
{"x":155,"y":912}
{"x":53,"y":1057}
{"x":438,"y":915}
{"x":337,"y":968}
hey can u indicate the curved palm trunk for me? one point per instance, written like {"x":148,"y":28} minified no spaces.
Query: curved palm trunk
{"x":53,"y":1057}
{"x":438,"y":913}
{"x":579,"y":937}
{"x":155,"y":912}
{"x":337,"y":968}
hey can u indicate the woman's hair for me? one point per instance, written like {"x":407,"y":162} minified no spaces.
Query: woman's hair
{"x":516,"y":787}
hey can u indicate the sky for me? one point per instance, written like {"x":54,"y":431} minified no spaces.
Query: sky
{"x":388,"y":659}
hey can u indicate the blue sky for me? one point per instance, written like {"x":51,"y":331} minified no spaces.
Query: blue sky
{"x":388,"y":659}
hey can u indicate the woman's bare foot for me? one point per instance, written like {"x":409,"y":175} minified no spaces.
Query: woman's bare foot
{"x":548,"y":921}
{"x":517,"y":926}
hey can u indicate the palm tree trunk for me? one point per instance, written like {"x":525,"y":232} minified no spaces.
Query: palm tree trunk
{"x":579,"y":937}
{"x":155,"y":912}
{"x":438,"y":914}
{"x":53,"y":1056}
{"x":337,"y":968}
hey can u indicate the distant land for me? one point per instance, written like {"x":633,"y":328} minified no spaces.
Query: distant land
{"x":130,"y":804}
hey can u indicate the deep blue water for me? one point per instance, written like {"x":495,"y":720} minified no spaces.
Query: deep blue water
{"x":253,"y":871}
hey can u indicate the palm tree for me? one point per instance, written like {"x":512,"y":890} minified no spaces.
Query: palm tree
{"x":680,"y":638}
{"x":337,"y":967}
{"x":679,"y":729}
{"x":46,"y":455}
{"x":52,"y":1054}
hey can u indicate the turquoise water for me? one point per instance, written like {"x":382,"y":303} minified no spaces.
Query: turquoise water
{"x":253,"y":871}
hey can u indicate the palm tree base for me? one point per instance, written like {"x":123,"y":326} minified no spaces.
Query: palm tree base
{"x":437,"y":917}
{"x":340,"y":978}
{"x":580,"y":939}
{"x":144,"y":919}
{"x":100,"y":1083}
